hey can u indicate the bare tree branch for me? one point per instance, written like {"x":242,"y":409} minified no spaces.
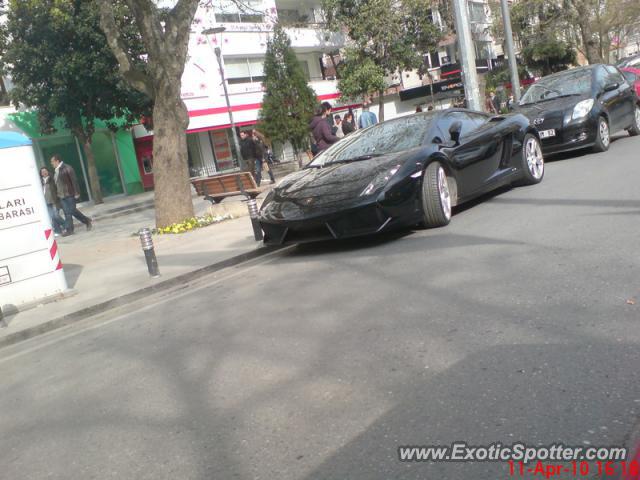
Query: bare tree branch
{"x":178,"y":26}
{"x":138,"y":79}
{"x":149,"y":23}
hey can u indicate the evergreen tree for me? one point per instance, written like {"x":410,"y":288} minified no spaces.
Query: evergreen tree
{"x":289,"y":101}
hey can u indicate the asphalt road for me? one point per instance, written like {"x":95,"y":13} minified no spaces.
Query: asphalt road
{"x":511,"y":324}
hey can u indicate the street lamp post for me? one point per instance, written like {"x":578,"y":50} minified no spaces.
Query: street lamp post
{"x":234,"y":134}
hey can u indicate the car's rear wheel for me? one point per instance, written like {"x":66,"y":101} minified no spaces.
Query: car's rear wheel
{"x":603,"y":138}
{"x":635,"y":128}
{"x":532,"y":160}
{"x":436,"y":196}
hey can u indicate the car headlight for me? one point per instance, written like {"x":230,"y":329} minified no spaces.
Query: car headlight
{"x":582,"y":109}
{"x":380,"y":181}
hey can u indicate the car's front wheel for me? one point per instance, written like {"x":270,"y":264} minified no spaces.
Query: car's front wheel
{"x":532,"y":160}
{"x":635,"y":128}
{"x":436,"y":196}
{"x":603,"y":138}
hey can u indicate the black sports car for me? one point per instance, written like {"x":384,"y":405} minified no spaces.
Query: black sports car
{"x":581,"y":108}
{"x":401,"y":172}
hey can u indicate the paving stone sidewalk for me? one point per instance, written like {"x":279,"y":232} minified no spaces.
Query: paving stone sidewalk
{"x":107,"y":262}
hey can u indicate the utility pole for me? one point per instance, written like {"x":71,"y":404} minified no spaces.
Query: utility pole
{"x":513,"y":65}
{"x":467,"y":55}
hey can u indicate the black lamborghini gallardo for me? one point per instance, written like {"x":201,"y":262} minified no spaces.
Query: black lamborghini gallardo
{"x":405,"y":171}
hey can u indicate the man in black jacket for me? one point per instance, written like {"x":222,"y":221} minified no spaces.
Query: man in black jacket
{"x":249,"y":152}
{"x":68,"y":193}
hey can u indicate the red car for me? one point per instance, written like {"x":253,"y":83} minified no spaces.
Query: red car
{"x":632,"y":75}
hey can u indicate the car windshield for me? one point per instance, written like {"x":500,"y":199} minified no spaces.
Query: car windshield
{"x":577,"y":82}
{"x":388,"y":137}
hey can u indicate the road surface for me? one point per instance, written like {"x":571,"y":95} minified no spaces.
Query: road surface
{"x":514,"y":323}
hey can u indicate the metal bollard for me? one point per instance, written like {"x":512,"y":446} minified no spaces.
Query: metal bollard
{"x":253,"y":213}
{"x":149,"y":253}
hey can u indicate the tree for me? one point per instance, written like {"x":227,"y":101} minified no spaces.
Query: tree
{"x":288,"y":101}
{"x":164,"y":33}
{"x":590,"y":26}
{"x":390,"y":35}
{"x":59,"y":63}
{"x":548,"y":55}
{"x":359,"y":77}
{"x":502,"y":75}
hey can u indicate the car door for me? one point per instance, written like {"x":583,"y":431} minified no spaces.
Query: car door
{"x":620,"y":101}
{"x":477,"y":157}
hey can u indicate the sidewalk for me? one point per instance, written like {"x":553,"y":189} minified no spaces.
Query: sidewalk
{"x":108,"y":262}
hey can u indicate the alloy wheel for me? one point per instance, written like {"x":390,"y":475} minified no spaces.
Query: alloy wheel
{"x":604,"y":132}
{"x":535,"y":160}
{"x":443,"y":190}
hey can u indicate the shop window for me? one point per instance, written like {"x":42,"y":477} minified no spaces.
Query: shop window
{"x":66,"y":147}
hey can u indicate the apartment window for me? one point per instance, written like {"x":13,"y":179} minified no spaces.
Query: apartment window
{"x":483,"y":50}
{"x":477,"y":13}
{"x":247,"y":12}
{"x":292,"y":16}
{"x":244,"y":70}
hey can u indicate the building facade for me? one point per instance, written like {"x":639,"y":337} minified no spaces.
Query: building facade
{"x":242,"y":46}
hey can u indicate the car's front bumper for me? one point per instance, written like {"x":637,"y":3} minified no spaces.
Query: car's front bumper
{"x":361,"y":220}
{"x":572,"y":136}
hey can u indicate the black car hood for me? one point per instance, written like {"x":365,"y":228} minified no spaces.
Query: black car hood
{"x":315,"y":191}
{"x":535,"y":110}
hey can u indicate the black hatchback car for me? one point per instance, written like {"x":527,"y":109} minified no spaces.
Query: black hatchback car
{"x":581,"y":108}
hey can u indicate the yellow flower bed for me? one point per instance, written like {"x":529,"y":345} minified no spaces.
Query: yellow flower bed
{"x":192,"y":223}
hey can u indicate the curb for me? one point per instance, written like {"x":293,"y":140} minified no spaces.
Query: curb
{"x":127,"y":298}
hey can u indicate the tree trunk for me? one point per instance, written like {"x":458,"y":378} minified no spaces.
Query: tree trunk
{"x":170,"y":170}
{"x":381,"y":105}
{"x":94,"y":180}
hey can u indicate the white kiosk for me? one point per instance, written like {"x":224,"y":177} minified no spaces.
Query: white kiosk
{"x":30,"y":267}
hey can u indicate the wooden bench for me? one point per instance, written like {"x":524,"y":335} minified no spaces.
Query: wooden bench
{"x":218,"y":187}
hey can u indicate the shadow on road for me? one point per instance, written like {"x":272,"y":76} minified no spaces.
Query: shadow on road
{"x":505,"y":394}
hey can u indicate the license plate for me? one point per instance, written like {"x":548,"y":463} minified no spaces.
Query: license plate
{"x":547,"y":133}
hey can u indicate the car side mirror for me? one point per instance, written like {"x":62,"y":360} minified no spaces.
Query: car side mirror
{"x":611,"y":86}
{"x":454,"y":131}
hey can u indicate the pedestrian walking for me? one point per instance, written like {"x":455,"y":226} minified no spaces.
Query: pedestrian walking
{"x":261,"y":156}
{"x":249,"y":153}
{"x":52,"y":200}
{"x":68,"y":192}
{"x":492,"y":104}
{"x":367,"y":118}
{"x":338,"y":127}
{"x":348,"y":124}
{"x":321,"y":130}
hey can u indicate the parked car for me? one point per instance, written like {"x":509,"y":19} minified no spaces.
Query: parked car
{"x":581,"y":107}
{"x":402,"y":172}
{"x":632,"y":74}
{"x":631,"y":61}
